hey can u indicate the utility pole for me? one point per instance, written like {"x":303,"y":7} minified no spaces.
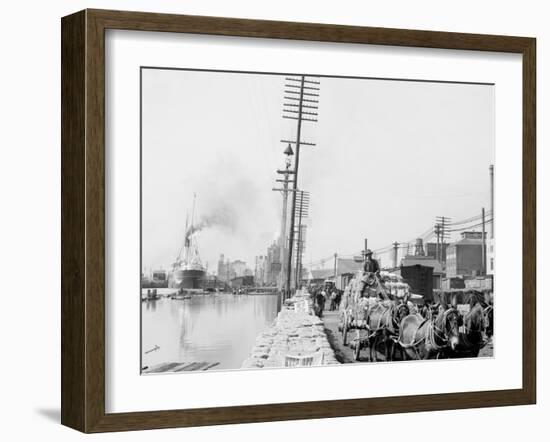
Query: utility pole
{"x":284,"y":191}
{"x":437,"y":230}
{"x":302,"y":211}
{"x":484,"y":243}
{"x":441,"y":229}
{"x":301,"y":105}
{"x":335,"y":265}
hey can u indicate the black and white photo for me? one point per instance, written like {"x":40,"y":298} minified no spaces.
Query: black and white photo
{"x":296,"y":220}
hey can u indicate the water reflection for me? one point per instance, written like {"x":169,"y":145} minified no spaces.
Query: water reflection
{"x":206,"y":328}
{"x":151,"y":305}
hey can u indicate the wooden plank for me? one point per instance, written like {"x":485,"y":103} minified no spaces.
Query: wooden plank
{"x":168,"y":367}
{"x":163,"y":368}
{"x":201,"y":366}
{"x":74,"y":397}
{"x":177,"y":367}
{"x":154,"y":368}
{"x":180,"y":366}
{"x":211,"y":366}
{"x":191,"y":367}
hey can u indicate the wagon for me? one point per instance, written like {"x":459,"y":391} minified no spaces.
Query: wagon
{"x":355,"y":307}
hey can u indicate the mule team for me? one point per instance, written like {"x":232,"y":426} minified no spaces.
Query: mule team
{"x":395,"y":326}
{"x":399,"y":326}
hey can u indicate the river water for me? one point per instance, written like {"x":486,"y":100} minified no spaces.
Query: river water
{"x":212,"y":328}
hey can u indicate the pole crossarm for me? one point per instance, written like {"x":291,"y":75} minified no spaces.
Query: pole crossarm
{"x":304,"y":106}
{"x":305,"y":81}
{"x":303,"y":112}
{"x":302,"y":143}
{"x":301,"y":93}
{"x":304,"y":100}
{"x":299,"y":119}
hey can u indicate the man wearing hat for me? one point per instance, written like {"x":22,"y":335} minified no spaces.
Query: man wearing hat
{"x":370,"y":270}
{"x":371,"y":265}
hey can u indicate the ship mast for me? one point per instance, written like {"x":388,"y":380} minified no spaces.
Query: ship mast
{"x":189,"y":251}
{"x":193,"y":212}
{"x":186,"y":239}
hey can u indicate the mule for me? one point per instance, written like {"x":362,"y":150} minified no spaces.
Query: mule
{"x":383,"y":324}
{"x":430,"y":338}
{"x":488,"y":315}
{"x":477,"y":326}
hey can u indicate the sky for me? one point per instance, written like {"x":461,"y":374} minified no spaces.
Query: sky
{"x":390,"y":156}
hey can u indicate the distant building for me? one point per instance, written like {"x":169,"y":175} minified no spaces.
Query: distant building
{"x":238,"y":267}
{"x":222,"y":268}
{"x":259,"y":270}
{"x":347,"y":266}
{"x":273,"y":264}
{"x":465,"y":257}
{"x":431,"y":250}
{"x":425,"y":261}
{"x":318,"y":276}
{"x":242,"y":281}
{"x":345,"y":270}
{"x":228,"y":270}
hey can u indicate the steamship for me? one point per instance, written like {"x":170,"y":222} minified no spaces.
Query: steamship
{"x":187,"y":270}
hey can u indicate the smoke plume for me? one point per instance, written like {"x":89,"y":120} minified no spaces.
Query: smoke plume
{"x":220,"y":216}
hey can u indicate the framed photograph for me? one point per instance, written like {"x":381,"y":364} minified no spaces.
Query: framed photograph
{"x":266,"y":220}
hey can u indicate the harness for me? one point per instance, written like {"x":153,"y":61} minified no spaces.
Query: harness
{"x":433,"y":332}
{"x":389,"y":314}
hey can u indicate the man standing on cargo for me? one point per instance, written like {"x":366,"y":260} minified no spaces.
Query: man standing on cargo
{"x":371,"y":278}
{"x":371,"y":265}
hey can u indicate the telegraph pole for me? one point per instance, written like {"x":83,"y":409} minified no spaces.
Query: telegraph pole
{"x":437,"y":230}
{"x":284,"y":191}
{"x":301,"y":105}
{"x":442,"y":231}
{"x":302,"y":211}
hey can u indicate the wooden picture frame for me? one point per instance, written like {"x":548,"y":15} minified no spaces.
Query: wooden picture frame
{"x":83,"y":220}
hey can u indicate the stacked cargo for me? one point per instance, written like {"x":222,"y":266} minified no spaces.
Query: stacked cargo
{"x":480,"y":283}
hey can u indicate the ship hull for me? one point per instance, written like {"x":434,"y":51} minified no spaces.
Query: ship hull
{"x":189,"y":279}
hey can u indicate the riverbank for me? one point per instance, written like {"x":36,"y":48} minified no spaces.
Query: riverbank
{"x":295,"y":335}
